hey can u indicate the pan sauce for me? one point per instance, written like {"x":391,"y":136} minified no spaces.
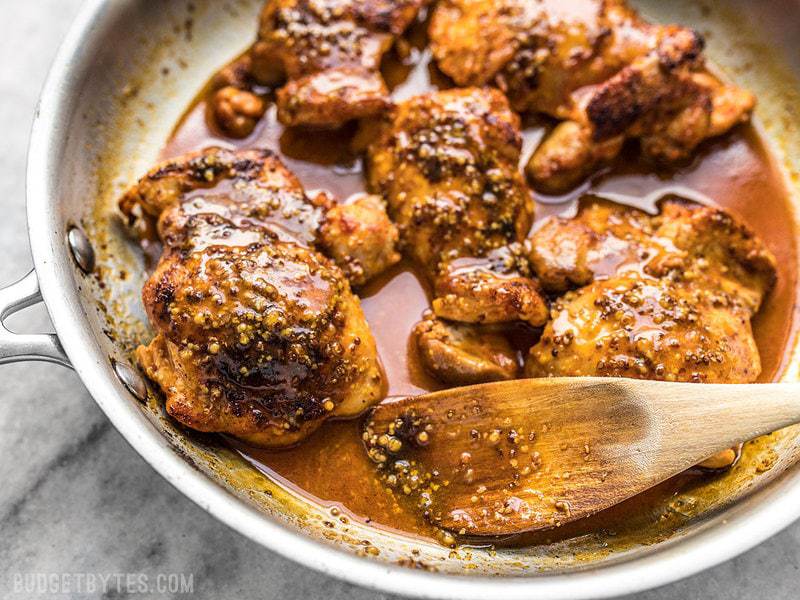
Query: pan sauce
{"x":735,"y":172}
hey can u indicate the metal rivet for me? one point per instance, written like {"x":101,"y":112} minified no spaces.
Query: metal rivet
{"x":131,"y":379}
{"x":82,"y":250}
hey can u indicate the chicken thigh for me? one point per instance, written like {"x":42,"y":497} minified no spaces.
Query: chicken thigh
{"x":596,"y":65}
{"x":668,"y":297}
{"x":258,"y":334}
{"x":603,"y":239}
{"x":446,"y":162}
{"x":328,"y":55}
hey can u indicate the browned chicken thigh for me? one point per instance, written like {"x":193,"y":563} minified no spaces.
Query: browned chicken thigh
{"x":258,"y":334}
{"x":447,"y":164}
{"x":328,"y":54}
{"x":597,"y":66}
{"x":669,"y":297}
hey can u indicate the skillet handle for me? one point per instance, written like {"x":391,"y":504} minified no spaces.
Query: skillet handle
{"x":26,"y":347}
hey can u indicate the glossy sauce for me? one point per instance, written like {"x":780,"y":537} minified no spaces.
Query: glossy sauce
{"x":735,"y":172}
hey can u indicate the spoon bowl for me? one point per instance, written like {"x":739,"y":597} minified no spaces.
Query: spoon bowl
{"x":517,"y":456}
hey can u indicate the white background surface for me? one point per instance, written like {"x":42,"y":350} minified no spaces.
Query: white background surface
{"x":75,"y":499}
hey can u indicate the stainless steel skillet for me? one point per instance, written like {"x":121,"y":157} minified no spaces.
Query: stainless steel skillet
{"x":121,"y":80}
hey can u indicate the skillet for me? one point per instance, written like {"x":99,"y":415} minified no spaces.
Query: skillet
{"x":121,"y":80}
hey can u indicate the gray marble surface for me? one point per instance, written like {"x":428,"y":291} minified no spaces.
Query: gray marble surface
{"x":75,"y":499}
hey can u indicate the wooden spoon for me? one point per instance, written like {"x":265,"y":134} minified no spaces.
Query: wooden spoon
{"x":516,"y":456}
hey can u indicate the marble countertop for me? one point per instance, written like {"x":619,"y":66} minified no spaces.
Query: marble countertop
{"x":76,"y":499}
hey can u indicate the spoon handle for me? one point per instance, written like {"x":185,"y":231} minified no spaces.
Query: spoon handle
{"x":698,"y":420}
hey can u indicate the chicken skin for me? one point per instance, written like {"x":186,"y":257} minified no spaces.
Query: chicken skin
{"x":668,"y":297}
{"x":327,"y":55}
{"x":596,"y":65}
{"x":446,"y":162}
{"x":258,"y":334}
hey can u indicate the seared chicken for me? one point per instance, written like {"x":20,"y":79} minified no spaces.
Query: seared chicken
{"x":327,"y":53}
{"x":446,"y":162}
{"x":236,"y":110}
{"x":463,"y":354}
{"x":597,"y":66}
{"x":258,"y":334}
{"x":601,"y":240}
{"x":494,"y":289}
{"x":359,"y":236}
{"x":668,"y":297}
